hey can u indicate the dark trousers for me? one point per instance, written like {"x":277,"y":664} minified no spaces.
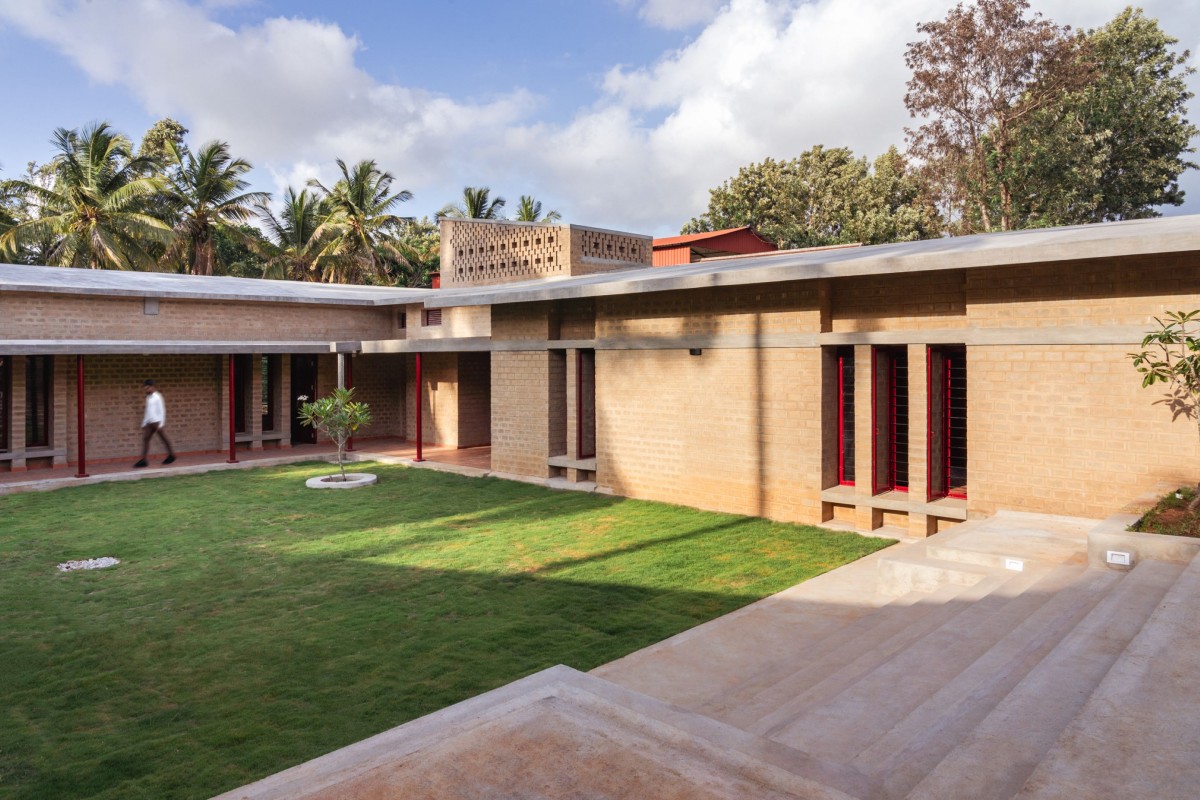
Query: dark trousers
{"x":148,"y":432}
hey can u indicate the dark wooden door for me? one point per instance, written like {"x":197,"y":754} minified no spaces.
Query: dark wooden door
{"x":304,"y":384}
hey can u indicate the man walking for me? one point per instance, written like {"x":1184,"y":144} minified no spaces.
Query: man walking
{"x":152,"y":423}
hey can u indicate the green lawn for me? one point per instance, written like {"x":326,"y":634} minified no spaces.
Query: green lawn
{"x":254,"y":624}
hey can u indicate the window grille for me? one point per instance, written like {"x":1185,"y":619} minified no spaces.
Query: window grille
{"x":433,"y":316}
{"x":845,"y":422}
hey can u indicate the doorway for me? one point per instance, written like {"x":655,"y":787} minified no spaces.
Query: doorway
{"x":304,"y":384}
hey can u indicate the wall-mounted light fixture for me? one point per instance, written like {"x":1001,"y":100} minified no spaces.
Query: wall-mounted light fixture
{"x":695,"y":351}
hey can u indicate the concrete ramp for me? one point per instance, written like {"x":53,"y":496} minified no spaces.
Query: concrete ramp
{"x":557,"y":735}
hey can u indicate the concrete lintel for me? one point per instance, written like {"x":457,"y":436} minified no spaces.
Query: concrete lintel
{"x":73,"y":347}
{"x":1047,"y":335}
{"x":448,"y":345}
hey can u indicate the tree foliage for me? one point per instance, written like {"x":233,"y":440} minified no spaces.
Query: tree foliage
{"x":95,"y":212}
{"x":1171,"y":356}
{"x":826,"y":196}
{"x":530,"y":210}
{"x":207,"y":192}
{"x":1114,"y":148}
{"x":1025,"y":124}
{"x":339,"y":416}
{"x":357,"y":232}
{"x":292,"y":242}
{"x":477,"y":203}
{"x":975,"y":77}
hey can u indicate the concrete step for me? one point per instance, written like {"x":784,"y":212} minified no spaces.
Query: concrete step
{"x":733,"y":698}
{"x":996,"y":758}
{"x":1139,"y":733}
{"x":845,"y":658}
{"x":1013,"y":538}
{"x":556,"y":735}
{"x":905,"y":572}
{"x":902,"y":756}
{"x":840,"y":726}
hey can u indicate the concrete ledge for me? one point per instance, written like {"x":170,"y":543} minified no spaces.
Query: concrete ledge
{"x":944,"y":509}
{"x":1112,"y":534}
{"x":573,"y":463}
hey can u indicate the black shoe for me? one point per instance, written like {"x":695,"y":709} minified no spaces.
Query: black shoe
{"x":141,"y":464}
{"x":169,"y":460}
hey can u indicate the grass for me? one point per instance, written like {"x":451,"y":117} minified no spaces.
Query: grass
{"x":1170,"y":515}
{"x":254,"y":624}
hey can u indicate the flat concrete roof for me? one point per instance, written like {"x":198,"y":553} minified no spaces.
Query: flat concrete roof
{"x":115,"y":283}
{"x":1014,"y":248}
{"x":71,"y":347}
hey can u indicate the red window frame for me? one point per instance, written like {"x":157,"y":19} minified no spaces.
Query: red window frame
{"x":845,"y":411}
{"x":946,"y":451}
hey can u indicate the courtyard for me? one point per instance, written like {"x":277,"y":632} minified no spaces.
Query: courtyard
{"x":253,"y":624}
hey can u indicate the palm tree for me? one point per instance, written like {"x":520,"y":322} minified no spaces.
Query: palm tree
{"x":208,"y":192}
{"x":95,"y":211}
{"x":475,"y":205}
{"x":356,"y":233}
{"x":294,"y":245}
{"x":530,"y":210}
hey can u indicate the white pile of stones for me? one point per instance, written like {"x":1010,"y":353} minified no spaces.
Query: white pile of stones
{"x":88,"y":563}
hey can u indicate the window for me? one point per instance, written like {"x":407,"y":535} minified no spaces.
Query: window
{"x":947,"y":380}
{"x":38,"y":410}
{"x":845,"y":415}
{"x":401,"y":320}
{"x":243,"y":374}
{"x":889,"y":406}
{"x":433,"y":316}
{"x":270,"y":393}
{"x":5,"y":402}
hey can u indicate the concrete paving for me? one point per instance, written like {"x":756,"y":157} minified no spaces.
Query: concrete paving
{"x":1036,"y":676}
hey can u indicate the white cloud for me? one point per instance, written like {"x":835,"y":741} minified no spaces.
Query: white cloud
{"x":761,"y":78}
{"x":674,"y":14}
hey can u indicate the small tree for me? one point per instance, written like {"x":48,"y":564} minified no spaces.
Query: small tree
{"x":339,"y":417}
{"x":1171,"y":355}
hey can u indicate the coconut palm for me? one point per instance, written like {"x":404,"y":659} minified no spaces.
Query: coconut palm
{"x":95,"y":211}
{"x":530,"y":210}
{"x":207,"y":191}
{"x":357,"y":231}
{"x":294,"y":245}
{"x":476,"y":204}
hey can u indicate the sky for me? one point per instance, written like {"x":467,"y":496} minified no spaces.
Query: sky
{"x":617,"y":113}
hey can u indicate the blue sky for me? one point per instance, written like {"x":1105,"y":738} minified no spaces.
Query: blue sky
{"x":619,"y":113}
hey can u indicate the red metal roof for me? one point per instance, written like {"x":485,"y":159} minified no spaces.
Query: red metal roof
{"x":671,"y":241}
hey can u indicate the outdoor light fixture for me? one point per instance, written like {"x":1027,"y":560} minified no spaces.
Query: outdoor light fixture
{"x":694,"y":351}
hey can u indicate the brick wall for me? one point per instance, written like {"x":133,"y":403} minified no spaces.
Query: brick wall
{"x":734,"y":310}
{"x":439,"y":398}
{"x":1069,"y":430}
{"x":521,"y":386}
{"x":730,"y":430}
{"x":898,"y":302}
{"x":1096,"y":292}
{"x":379,"y":382}
{"x":48,"y":316}
{"x":474,"y":399}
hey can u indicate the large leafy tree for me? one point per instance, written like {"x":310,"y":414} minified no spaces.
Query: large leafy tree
{"x":976,"y":76}
{"x":292,"y":241}
{"x":530,"y":210}
{"x":416,"y":253}
{"x":360,"y":225}
{"x":1114,"y":148}
{"x":95,"y":212}
{"x":208,"y":190}
{"x":477,"y":203}
{"x":826,"y":196}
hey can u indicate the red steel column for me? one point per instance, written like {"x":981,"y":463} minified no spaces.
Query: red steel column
{"x":232,"y":421}
{"x":350,"y":385}
{"x":80,"y":429}
{"x":418,"y":396}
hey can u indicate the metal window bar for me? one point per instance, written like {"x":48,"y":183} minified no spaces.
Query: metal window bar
{"x":898,"y":434}
{"x":5,"y":392}
{"x":956,"y":422}
{"x":37,"y":401}
{"x":845,"y":367}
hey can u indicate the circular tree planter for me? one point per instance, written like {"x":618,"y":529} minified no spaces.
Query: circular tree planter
{"x":353,"y":481}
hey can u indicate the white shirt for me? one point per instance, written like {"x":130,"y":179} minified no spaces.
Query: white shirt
{"x":156,"y":412}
